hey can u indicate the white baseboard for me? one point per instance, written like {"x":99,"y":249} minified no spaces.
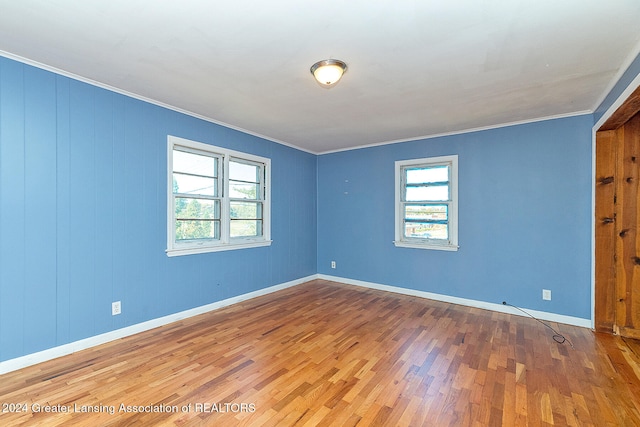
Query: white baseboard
{"x":543,"y":315}
{"x":65,"y":349}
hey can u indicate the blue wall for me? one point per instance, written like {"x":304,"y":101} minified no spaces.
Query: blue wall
{"x":83,"y":213}
{"x":524,"y":217}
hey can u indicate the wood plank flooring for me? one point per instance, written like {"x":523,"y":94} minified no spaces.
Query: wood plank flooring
{"x":329,"y":354}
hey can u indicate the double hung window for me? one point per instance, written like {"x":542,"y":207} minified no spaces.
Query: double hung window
{"x":218,"y":199}
{"x":426,"y":203}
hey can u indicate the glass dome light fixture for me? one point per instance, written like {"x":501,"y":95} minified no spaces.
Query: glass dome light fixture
{"x":328,"y":72}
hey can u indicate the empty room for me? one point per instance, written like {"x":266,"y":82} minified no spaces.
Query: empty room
{"x":407,"y":213}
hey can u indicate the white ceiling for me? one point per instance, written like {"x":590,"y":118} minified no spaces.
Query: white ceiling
{"x":416,"y":68}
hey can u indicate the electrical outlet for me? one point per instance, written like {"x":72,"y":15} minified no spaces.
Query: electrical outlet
{"x":333,"y":264}
{"x":116,"y":308}
{"x":546,"y":294}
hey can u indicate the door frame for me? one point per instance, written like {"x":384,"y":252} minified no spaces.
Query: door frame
{"x":615,"y":113}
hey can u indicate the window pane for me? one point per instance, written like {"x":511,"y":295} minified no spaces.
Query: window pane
{"x":186,"y":208}
{"x":241,"y":190}
{"x":196,"y":164}
{"x":245,"y":228}
{"x":431,"y":193}
{"x":245,"y":210}
{"x":189,"y":184}
{"x":244,"y":180}
{"x":246,"y":219}
{"x":243,"y":172}
{"x":196,"y":229}
{"x":421,"y":175}
{"x":426,"y":230}
{"x":426,"y":212}
{"x":197,"y":219}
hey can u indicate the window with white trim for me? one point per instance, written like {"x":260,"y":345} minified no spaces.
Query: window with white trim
{"x":427,"y":203}
{"x":217,"y":199}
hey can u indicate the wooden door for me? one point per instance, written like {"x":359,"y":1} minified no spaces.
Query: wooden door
{"x":605,"y":229}
{"x":617,"y":222}
{"x":627,"y":251}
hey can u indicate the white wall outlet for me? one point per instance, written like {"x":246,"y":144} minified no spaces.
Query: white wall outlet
{"x":546,"y":294}
{"x":116,"y":308}
{"x":333,"y":264}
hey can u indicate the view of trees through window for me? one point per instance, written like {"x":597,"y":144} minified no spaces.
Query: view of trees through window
{"x":196,"y":195}
{"x":198,"y":200}
{"x":196,"y":218}
{"x":245,"y":205}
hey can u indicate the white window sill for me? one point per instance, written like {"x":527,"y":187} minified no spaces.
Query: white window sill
{"x":217,"y":248}
{"x":437,"y":247}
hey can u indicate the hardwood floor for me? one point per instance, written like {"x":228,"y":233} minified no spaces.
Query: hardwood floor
{"x":324,"y":353}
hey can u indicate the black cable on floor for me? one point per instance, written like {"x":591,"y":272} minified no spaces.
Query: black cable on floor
{"x":557,"y":336}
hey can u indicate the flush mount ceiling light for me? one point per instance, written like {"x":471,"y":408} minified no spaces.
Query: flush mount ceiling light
{"x":328,"y":72}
